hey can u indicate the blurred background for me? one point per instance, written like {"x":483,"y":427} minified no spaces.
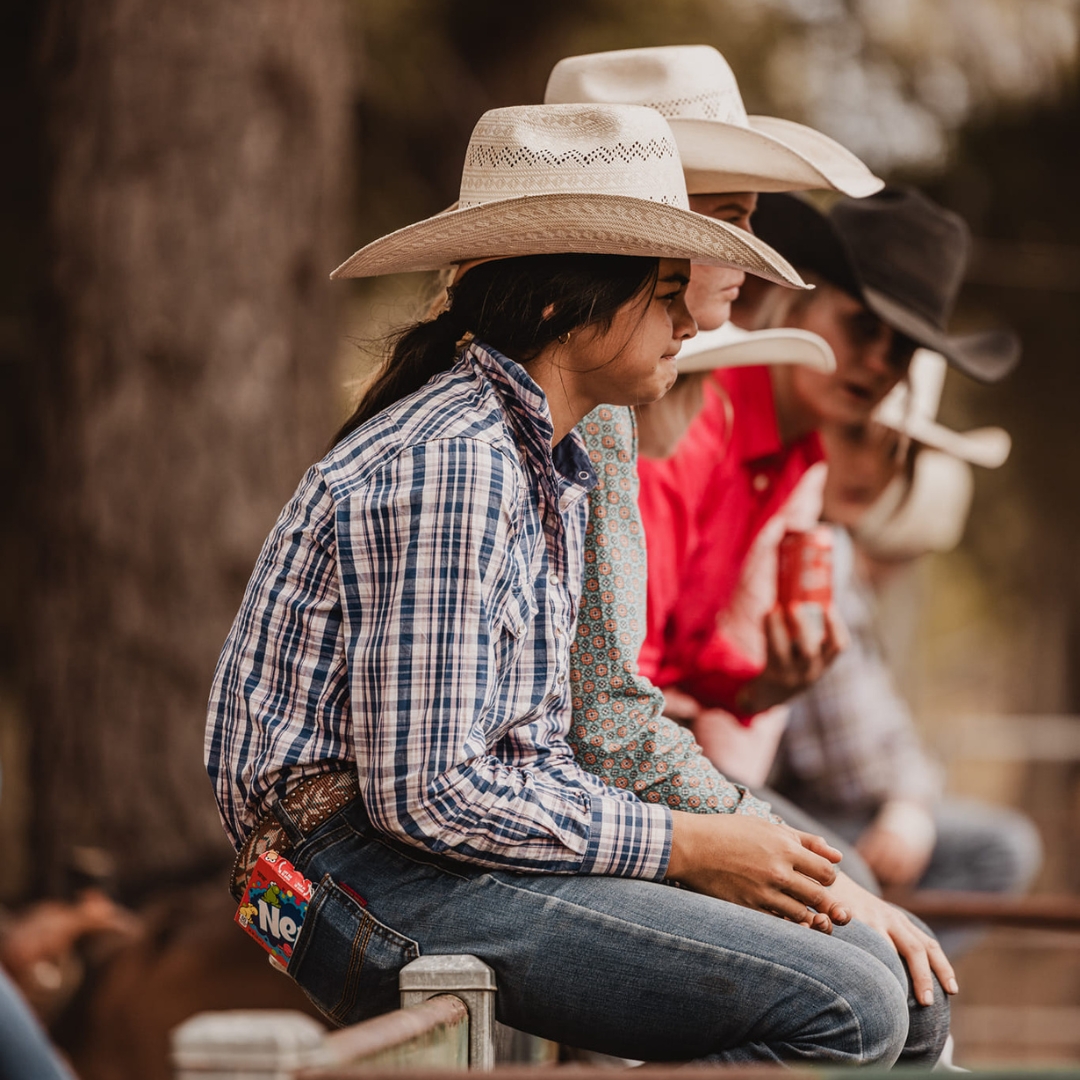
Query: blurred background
{"x":181,"y":179}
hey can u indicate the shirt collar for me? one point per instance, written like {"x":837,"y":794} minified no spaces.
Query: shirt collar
{"x":754,"y":408}
{"x":531,"y":417}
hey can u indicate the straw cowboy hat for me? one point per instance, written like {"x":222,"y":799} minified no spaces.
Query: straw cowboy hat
{"x":923,"y":513}
{"x":927,"y":510}
{"x":902,"y":256}
{"x":722,"y":148}
{"x":550,"y":179}
{"x":729,"y":346}
{"x":911,"y":408}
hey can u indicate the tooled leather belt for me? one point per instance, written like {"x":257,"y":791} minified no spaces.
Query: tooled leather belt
{"x":308,"y":805}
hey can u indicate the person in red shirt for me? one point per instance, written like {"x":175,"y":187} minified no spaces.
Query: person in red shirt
{"x":887,"y":270}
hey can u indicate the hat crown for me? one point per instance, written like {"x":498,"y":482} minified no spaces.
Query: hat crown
{"x":596,"y":149}
{"x":907,"y":247}
{"x":681,"y":82}
{"x":917,"y":397}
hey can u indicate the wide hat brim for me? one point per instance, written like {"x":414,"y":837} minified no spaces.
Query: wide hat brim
{"x":731,"y":347}
{"x":987,"y":447}
{"x":568,"y":223}
{"x":986,"y":356}
{"x":770,"y":155}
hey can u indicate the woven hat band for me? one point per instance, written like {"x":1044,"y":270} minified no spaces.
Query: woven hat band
{"x":572,"y":149}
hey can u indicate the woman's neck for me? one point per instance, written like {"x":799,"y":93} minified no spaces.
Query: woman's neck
{"x":567,"y":403}
{"x":793,"y":418}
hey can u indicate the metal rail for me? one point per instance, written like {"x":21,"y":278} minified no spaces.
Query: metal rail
{"x":447,"y":1022}
{"x":1022,"y":912}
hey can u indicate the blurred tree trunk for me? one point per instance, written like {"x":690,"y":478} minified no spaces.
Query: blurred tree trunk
{"x":200,"y":155}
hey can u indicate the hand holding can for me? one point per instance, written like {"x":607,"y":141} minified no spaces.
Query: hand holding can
{"x":804,"y":585}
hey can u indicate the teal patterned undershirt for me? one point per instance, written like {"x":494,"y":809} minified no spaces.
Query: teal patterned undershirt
{"x":619,"y":731}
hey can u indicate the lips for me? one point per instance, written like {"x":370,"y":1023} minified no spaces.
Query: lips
{"x":860,"y":392}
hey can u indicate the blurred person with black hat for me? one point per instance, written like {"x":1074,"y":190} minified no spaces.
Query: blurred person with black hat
{"x":887,"y":270}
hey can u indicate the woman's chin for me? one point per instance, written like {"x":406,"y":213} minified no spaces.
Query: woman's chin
{"x":712,"y":316}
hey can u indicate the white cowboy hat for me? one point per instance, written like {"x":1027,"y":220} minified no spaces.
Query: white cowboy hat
{"x":722,"y":148}
{"x":731,"y":346}
{"x":924,"y":513}
{"x":552,"y":179}
{"x":911,"y":408}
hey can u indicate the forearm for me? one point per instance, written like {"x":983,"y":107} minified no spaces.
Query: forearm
{"x":544,"y":818}
{"x":658,"y":761}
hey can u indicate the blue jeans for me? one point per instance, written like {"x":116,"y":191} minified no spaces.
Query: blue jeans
{"x":632,"y":968}
{"x":25,"y":1051}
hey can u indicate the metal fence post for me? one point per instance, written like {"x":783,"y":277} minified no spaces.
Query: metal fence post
{"x":248,"y":1044}
{"x":467,"y":978}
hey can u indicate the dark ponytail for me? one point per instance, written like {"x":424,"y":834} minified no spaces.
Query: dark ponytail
{"x":517,"y":306}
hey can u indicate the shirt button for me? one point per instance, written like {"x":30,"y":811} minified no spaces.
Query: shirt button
{"x":560,"y":678}
{"x":558,"y":631}
{"x":583,"y":475}
{"x":761,"y":482}
{"x":553,"y":578}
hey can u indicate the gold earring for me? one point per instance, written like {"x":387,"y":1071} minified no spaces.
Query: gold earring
{"x":564,"y":339}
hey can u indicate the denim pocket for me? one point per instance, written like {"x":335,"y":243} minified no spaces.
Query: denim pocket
{"x":347,"y":961}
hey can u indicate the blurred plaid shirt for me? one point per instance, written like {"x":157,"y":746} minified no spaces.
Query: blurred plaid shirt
{"x":851,"y":743}
{"x":412,"y":613}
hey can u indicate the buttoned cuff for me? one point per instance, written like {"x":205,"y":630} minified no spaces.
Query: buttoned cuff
{"x":628,"y":839}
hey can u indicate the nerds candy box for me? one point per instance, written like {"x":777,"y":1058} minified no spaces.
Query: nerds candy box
{"x":274,"y":905}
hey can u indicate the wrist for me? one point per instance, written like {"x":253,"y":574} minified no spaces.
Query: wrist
{"x":679,"y":858}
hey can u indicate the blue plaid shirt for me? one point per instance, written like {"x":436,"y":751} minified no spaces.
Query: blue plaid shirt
{"x":412,"y":612}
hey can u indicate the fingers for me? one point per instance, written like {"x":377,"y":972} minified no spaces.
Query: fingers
{"x":941,"y":967}
{"x":922,"y":980}
{"x":837,"y":911}
{"x":809,"y":634}
{"x":819,"y":845}
{"x":779,"y":639}
{"x":809,"y":892}
{"x":815,"y":920}
{"x":924,"y":958}
{"x":837,"y":638}
{"x":790,"y":908}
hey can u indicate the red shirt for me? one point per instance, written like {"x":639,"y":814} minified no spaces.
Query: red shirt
{"x":702,"y":509}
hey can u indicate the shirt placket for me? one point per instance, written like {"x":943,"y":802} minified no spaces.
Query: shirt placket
{"x":562,"y":498}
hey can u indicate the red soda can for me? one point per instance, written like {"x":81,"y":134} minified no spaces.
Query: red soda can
{"x":804,"y":581}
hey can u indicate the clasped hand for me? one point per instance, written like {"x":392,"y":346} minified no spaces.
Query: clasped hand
{"x":781,"y":871}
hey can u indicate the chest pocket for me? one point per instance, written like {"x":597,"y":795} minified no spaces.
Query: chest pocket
{"x":519,"y":610}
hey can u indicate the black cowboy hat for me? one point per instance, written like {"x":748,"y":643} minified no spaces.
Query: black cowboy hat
{"x":901,"y":255}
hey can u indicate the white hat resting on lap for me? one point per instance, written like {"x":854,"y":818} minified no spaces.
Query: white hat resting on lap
{"x":723,"y":149}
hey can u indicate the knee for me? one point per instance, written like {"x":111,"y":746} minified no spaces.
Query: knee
{"x":928,"y":1030}
{"x":869,"y":1022}
{"x":986,"y":848}
{"x":1020,"y":851}
{"x":879,"y":1008}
